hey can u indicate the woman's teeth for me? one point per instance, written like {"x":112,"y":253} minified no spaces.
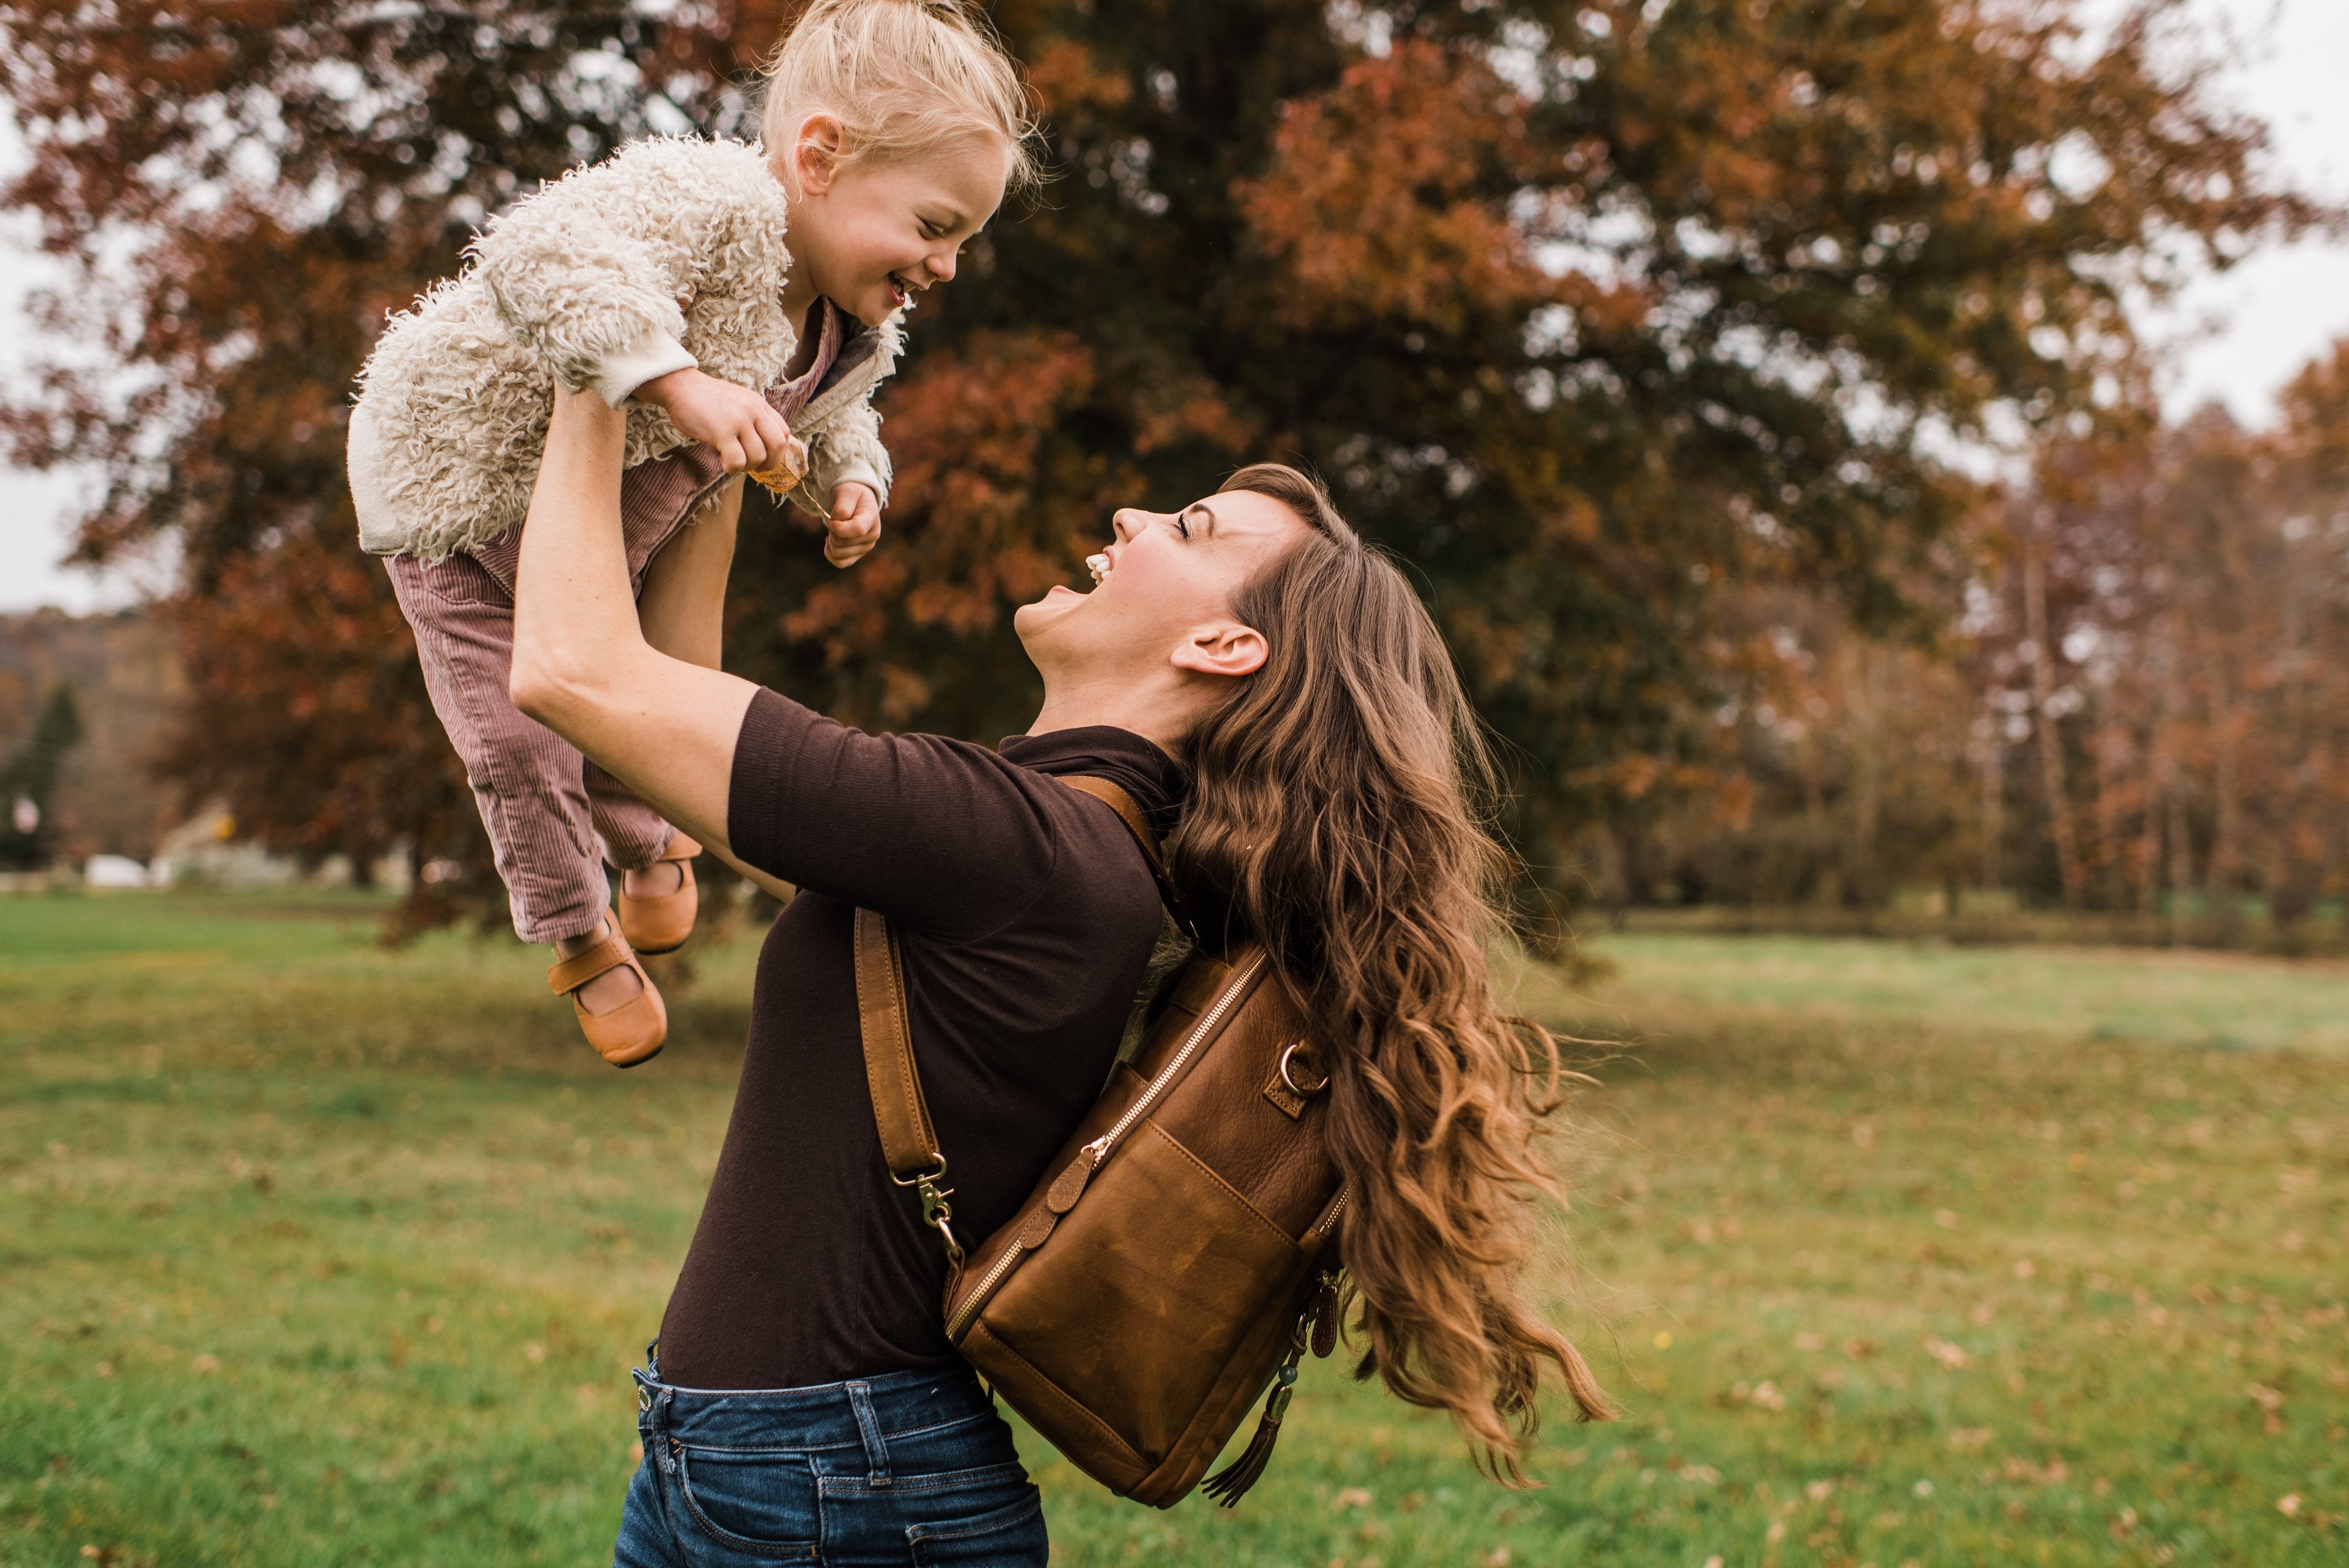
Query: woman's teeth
{"x":1099,"y":566}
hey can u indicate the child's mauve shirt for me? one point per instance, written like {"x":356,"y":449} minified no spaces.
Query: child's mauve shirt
{"x":658,"y":495}
{"x":1026,"y":914}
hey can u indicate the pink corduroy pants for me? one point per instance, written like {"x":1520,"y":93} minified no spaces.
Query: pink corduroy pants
{"x":554,"y":819}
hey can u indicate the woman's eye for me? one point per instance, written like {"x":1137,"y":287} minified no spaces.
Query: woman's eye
{"x":1182,"y":526}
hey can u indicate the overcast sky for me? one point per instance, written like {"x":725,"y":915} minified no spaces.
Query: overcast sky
{"x":2236,"y":338}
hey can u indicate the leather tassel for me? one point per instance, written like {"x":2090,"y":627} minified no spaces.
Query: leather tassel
{"x":1228,"y":1485}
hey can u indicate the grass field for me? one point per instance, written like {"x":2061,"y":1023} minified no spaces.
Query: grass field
{"x":313,"y":1253}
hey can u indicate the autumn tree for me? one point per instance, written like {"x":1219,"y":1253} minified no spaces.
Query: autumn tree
{"x":1592,"y":312}
{"x":2137,"y":704}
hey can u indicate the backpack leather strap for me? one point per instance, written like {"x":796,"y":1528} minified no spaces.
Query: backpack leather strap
{"x":1118,"y":801}
{"x":909,"y":1143}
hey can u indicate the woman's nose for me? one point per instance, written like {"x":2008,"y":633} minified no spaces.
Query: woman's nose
{"x":1126,"y":522}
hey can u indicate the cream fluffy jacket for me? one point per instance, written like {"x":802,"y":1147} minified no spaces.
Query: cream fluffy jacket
{"x":667,"y":254}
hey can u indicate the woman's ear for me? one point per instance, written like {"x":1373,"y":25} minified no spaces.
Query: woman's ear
{"x":815,"y":154}
{"x":1226,"y":647}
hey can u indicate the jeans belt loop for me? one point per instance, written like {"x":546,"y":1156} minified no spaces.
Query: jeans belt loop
{"x":868,"y":1426}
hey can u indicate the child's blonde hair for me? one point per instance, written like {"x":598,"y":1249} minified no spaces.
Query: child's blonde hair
{"x":902,"y":77}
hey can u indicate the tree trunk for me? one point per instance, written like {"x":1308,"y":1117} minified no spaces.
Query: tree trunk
{"x":2051,"y":742}
{"x":1859,"y":889}
{"x":1993,"y":794}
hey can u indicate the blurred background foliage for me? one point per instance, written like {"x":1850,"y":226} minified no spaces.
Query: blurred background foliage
{"x":1664,"y":340}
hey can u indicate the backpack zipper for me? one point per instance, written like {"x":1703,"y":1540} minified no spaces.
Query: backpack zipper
{"x":1099,"y":1149}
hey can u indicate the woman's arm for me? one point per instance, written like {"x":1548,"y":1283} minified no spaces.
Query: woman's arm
{"x":946,"y":838}
{"x":664,"y":727}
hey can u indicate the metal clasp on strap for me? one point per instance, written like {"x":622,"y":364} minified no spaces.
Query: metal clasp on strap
{"x":935,"y":1210}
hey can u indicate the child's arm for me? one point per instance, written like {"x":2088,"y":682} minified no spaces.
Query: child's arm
{"x":589,"y":271}
{"x":734,"y":421}
{"x":848,"y":482}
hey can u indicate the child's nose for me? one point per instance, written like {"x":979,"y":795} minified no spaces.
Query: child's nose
{"x":942,"y":267}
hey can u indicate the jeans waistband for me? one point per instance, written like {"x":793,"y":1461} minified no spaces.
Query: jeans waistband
{"x":859,"y":1413}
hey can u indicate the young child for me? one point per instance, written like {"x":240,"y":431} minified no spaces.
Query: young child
{"x":741,"y":303}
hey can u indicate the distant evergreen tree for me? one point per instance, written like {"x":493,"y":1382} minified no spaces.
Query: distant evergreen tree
{"x":29,"y":784}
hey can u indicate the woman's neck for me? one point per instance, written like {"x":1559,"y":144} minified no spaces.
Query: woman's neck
{"x":1163,"y":713}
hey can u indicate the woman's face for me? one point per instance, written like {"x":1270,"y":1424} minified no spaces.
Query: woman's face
{"x":1166,"y":580}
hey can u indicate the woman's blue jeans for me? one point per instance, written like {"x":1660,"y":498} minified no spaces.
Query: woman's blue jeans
{"x":910,"y":1467}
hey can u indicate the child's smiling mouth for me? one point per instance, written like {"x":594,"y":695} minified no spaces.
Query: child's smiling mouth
{"x":903,"y":289}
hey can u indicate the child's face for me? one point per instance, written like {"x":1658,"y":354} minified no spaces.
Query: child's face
{"x":872,"y":236}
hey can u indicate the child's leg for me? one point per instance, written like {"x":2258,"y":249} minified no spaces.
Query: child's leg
{"x":682,"y":605}
{"x":529,"y":783}
{"x":682,"y":609}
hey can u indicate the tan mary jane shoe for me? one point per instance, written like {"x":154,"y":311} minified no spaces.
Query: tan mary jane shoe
{"x":660,"y":924}
{"x":631,"y":1033}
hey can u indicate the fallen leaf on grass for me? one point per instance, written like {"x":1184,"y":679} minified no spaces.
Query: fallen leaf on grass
{"x":1953,"y":1356}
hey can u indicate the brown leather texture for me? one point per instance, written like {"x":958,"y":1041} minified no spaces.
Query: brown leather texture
{"x":1142,"y":1297}
{"x":907,"y":1140}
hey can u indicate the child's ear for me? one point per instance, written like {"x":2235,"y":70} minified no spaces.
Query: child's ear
{"x":815,"y":155}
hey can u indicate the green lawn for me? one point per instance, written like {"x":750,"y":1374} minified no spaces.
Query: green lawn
{"x":311,"y":1254}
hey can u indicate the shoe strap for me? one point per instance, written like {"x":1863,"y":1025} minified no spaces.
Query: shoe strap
{"x":606,"y":956}
{"x":682,"y":850}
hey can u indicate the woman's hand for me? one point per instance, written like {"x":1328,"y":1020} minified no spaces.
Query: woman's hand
{"x":855,"y":525}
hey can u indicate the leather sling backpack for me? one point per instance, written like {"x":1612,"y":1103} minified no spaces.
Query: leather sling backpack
{"x":1179,"y":1252}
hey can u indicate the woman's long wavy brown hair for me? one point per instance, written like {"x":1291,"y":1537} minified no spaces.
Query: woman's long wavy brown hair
{"x":1337,"y":816}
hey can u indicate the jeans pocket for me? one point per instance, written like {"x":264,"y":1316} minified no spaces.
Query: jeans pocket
{"x":763,"y":1505}
{"x":1011,"y":1536}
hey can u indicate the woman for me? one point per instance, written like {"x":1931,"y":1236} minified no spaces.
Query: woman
{"x":805,"y":1398}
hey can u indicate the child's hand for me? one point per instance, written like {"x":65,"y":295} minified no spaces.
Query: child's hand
{"x":855,"y":525}
{"x":735,"y":421}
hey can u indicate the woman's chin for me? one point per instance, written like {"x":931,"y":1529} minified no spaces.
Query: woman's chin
{"x":1059,"y":601}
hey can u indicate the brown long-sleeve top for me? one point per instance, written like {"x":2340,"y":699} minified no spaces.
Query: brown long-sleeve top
{"x":1026,"y":914}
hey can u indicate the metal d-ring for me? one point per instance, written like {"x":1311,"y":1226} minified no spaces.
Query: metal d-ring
{"x":1299,"y":1090}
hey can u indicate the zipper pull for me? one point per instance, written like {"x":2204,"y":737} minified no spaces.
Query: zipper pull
{"x":1069,"y":1185}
